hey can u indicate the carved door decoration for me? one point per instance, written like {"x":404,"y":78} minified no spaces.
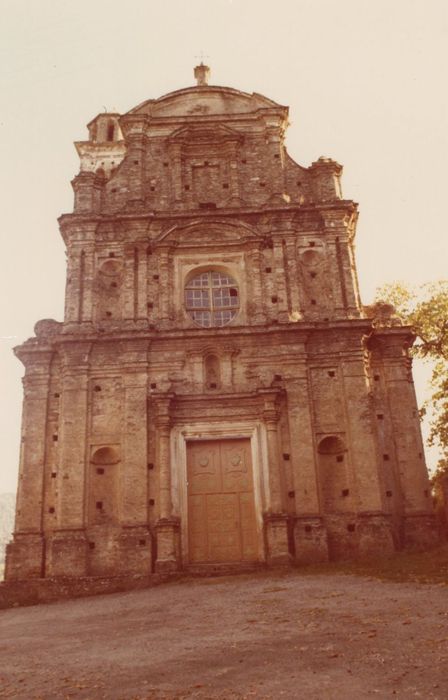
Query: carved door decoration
{"x":221,"y":509}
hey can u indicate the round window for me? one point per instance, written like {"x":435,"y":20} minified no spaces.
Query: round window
{"x":212,"y":299}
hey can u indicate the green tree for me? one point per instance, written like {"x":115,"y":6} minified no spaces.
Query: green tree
{"x":425,"y":308}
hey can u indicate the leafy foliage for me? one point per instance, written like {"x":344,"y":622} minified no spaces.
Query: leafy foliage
{"x":425,"y":308}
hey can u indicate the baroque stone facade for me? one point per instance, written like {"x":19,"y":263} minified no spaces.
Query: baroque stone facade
{"x":216,"y":392}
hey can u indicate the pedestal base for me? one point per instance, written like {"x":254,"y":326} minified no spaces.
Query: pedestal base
{"x":168,"y":545}
{"x":375,"y":537}
{"x":310,"y":540}
{"x":276,"y":538}
{"x":25,"y":557}
{"x":67,"y":554}
{"x":420,"y":531}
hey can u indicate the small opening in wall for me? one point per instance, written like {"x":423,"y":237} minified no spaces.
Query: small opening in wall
{"x":340,"y":458}
{"x":111,"y":255}
{"x":186,"y":188}
{"x":376,"y":377}
{"x":152,"y":189}
{"x":389,"y":494}
{"x":420,"y":455}
{"x":165,"y":165}
{"x":97,"y":387}
{"x":109,"y":314}
{"x":114,"y":189}
{"x":345,"y":492}
{"x":142,"y":543}
{"x":351,"y":527}
{"x":276,"y":155}
{"x":212,"y":385}
{"x":262,"y":184}
{"x":313,"y":302}
{"x":291,"y":494}
{"x":286,"y":456}
{"x":426,"y":492}
{"x":331,"y":373}
{"x":155,"y":277}
{"x":150,"y":466}
{"x":150,"y":305}
{"x":99,"y":505}
{"x":268,"y":269}
{"x":100,"y":470}
{"x":91,"y":545}
{"x":114,"y":285}
{"x":308,"y":528}
{"x":380,"y":416}
{"x":225,"y":186}
{"x":51,"y":510}
{"x":56,"y":395}
{"x":207,"y":205}
{"x":206,"y":162}
{"x":313,"y":274}
{"x":278,"y":377}
{"x":55,"y":438}
{"x":311,"y":244}
{"x":151,"y":501}
{"x":244,"y":161}
{"x":136,"y":162}
{"x":299,"y":184}
{"x":274,"y":300}
{"x":386,"y":457}
{"x":153,"y":385}
{"x":53,"y":475}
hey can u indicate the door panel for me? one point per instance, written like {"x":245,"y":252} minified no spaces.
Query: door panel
{"x":221,"y":509}
{"x":236,"y":466}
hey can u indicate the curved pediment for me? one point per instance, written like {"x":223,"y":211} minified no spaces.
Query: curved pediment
{"x":204,"y":233}
{"x":203,"y":101}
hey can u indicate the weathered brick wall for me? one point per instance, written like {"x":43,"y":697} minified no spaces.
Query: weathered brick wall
{"x":196,"y":181}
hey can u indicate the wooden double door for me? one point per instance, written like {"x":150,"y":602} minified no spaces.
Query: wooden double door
{"x":222,"y":524}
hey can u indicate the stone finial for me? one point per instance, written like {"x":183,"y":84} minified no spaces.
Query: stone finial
{"x":202,"y":74}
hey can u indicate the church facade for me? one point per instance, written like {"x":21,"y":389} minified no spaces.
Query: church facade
{"x":216,"y":393}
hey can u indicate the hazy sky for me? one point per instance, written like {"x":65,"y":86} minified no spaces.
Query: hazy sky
{"x":365,"y":81}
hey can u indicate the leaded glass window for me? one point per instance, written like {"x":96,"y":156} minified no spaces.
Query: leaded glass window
{"x":212,"y":299}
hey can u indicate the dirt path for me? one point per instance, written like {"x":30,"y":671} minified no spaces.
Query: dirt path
{"x":264,"y":636}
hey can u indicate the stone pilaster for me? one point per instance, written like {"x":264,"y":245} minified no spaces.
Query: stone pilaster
{"x":67,"y":548}
{"x":391,"y":346}
{"x":310,"y":536}
{"x":25,"y":555}
{"x":167,"y":527}
{"x":275,"y":519}
{"x":282,"y":293}
{"x":164,"y":298}
{"x":293,"y":278}
{"x":364,"y":454}
{"x":80,"y":275}
{"x":256,"y":301}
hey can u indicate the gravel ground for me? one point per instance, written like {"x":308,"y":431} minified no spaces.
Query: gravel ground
{"x":265,"y":636}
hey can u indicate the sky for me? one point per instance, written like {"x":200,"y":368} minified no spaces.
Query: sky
{"x":365,"y":82}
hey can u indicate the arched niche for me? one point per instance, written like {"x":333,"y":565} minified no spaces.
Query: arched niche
{"x":333,"y":475}
{"x":104,"y":485}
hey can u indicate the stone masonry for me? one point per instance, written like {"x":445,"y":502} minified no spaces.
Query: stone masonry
{"x":216,"y":392}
